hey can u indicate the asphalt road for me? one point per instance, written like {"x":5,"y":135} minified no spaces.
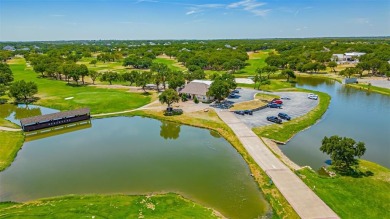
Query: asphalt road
{"x":298,"y":105}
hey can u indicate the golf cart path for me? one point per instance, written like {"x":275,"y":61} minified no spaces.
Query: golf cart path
{"x":9,"y":129}
{"x":304,"y":201}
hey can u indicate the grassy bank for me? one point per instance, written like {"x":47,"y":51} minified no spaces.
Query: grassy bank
{"x":283,"y":132}
{"x":8,"y":124}
{"x":210,"y":120}
{"x":10,"y":144}
{"x":371,"y":88}
{"x":339,"y":78}
{"x":275,"y":85}
{"x":115,"y":206}
{"x":349,"y":197}
{"x":52,"y":93}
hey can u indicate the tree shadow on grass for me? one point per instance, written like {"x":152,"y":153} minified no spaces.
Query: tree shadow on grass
{"x":146,"y":93}
{"x":355,"y":173}
{"x":75,"y":85}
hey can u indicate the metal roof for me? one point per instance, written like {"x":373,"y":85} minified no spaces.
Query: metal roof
{"x":54,"y":116}
{"x":197,"y":88}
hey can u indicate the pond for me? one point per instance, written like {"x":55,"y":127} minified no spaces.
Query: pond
{"x":136,"y":156}
{"x":363,"y":116}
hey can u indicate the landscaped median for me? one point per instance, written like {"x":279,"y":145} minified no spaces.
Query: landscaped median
{"x":113,"y":206}
{"x":284,"y":132}
{"x":261,"y":100}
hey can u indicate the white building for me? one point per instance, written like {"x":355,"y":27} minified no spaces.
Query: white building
{"x":198,"y":89}
{"x":349,"y":57}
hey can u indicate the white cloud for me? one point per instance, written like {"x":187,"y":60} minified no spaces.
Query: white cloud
{"x":194,"y":9}
{"x":191,"y":12}
{"x":252,"y":6}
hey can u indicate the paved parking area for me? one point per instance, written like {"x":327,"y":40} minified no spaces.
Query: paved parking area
{"x":244,"y":95}
{"x":298,"y":105}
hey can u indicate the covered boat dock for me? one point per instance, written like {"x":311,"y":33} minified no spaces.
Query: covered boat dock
{"x":54,"y":119}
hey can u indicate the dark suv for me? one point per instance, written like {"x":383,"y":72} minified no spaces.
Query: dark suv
{"x":274,"y":119}
{"x":284,"y":116}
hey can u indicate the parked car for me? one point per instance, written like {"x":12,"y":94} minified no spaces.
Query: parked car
{"x":249,"y":112}
{"x":312,"y":96}
{"x":239,"y":112}
{"x":277,"y":101}
{"x":232,"y":95}
{"x":274,"y":119}
{"x":284,"y":116}
{"x":285,"y":98}
{"x":274,"y":105}
{"x":235,"y":91}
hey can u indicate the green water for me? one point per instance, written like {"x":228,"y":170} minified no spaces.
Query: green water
{"x":136,"y":156}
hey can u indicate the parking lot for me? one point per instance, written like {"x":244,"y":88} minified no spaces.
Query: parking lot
{"x":297,"y":106}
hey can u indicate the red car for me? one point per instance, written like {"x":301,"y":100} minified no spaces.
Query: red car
{"x":277,"y":101}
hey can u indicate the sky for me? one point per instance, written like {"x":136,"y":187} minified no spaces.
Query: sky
{"x":46,"y":20}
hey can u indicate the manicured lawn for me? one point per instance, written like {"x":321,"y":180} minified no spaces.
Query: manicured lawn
{"x":275,"y":85}
{"x":171,"y":63}
{"x":283,"y":132}
{"x":256,"y":60}
{"x":6,"y":123}
{"x":101,"y":66}
{"x":266,"y":97}
{"x":10,"y":143}
{"x":349,"y":197}
{"x":52,"y":93}
{"x":115,"y":206}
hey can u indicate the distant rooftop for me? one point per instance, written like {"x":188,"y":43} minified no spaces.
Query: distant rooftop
{"x":203,"y":81}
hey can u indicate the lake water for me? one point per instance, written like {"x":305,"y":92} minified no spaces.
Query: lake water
{"x":136,"y":156}
{"x":352,"y":113}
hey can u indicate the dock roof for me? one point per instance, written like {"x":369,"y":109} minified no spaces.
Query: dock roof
{"x":54,"y":116}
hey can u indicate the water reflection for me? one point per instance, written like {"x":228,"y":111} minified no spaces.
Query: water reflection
{"x":215,"y":134}
{"x":14,"y":113}
{"x":169,"y":130}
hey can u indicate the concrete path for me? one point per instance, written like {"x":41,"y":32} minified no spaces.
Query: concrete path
{"x":304,"y":201}
{"x":9,"y":129}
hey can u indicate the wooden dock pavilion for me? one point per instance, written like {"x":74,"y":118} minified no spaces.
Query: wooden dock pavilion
{"x":54,"y":119}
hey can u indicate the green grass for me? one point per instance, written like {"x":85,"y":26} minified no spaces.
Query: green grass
{"x":101,"y":66}
{"x":283,"y":132}
{"x":367,"y":88}
{"x":6,"y":123}
{"x":52,"y":93}
{"x":266,"y":97}
{"x":276,"y":85}
{"x":10,"y":143}
{"x":256,"y":60}
{"x":349,"y":197}
{"x":114,"y":206}
{"x":171,"y":63}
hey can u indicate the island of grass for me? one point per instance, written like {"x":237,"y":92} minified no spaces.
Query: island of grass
{"x":261,"y":100}
{"x":113,"y":206}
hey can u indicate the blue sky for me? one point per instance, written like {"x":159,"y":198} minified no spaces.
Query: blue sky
{"x":27,"y":20}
